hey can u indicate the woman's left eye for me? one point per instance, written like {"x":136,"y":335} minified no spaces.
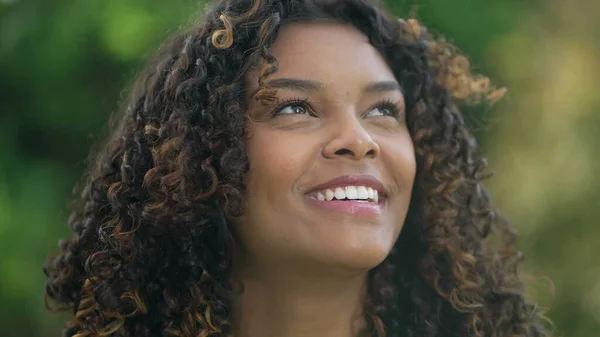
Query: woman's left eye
{"x":293,"y":109}
{"x":384,"y":110}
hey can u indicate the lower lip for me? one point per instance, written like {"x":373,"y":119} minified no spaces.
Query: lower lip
{"x":351,"y":207}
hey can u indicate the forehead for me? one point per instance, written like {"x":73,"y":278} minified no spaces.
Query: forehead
{"x":330,"y":53}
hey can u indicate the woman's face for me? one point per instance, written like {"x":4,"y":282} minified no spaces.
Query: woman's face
{"x":338,"y":131}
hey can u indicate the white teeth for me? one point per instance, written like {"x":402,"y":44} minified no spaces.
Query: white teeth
{"x":329,"y":195}
{"x":339,"y":193}
{"x":362,"y":192}
{"x":351,"y":192}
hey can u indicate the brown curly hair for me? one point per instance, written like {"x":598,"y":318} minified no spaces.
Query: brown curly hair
{"x":150,"y":253}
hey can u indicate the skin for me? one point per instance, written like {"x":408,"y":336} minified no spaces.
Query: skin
{"x":303,"y":267}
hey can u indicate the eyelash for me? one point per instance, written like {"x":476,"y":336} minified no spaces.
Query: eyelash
{"x":293,"y":101}
{"x":388,"y":103}
{"x":385,"y":103}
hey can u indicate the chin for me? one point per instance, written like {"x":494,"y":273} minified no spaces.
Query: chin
{"x":358,"y":246}
{"x":353,"y":258}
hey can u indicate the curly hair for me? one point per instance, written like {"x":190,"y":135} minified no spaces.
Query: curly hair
{"x":151,"y":248}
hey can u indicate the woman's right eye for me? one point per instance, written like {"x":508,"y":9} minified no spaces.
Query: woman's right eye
{"x":293,"y":109}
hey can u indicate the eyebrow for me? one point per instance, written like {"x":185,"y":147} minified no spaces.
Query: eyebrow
{"x":296,"y":84}
{"x":382,"y":87}
{"x":313,"y":86}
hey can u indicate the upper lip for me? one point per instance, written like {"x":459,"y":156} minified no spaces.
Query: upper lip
{"x":352,"y":180}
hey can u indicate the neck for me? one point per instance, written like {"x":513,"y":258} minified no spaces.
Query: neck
{"x":296,"y":304}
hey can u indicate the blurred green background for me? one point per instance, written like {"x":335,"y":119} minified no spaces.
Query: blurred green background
{"x":64,"y":65}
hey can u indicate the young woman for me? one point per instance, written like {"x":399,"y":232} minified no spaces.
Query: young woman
{"x":293,"y":168}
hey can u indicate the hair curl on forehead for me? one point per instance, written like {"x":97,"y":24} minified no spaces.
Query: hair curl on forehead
{"x":451,"y":69}
{"x":153,"y":221}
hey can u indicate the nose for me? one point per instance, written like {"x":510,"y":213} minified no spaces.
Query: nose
{"x":350,"y":139}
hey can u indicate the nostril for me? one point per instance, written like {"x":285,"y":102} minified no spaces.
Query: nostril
{"x":343,"y":151}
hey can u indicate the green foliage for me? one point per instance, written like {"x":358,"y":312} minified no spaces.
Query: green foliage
{"x":64,"y":65}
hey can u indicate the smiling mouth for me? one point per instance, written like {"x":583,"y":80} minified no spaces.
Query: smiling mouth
{"x":353,"y":200}
{"x":350,"y":207}
{"x":361,"y":194}
{"x":351,"y":194}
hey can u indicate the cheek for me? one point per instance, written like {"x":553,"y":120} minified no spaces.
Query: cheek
{"x":271,"y":158}
{"x":407,"y":165}
{"x":278,"y":159}
{"x":399,"y":157}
